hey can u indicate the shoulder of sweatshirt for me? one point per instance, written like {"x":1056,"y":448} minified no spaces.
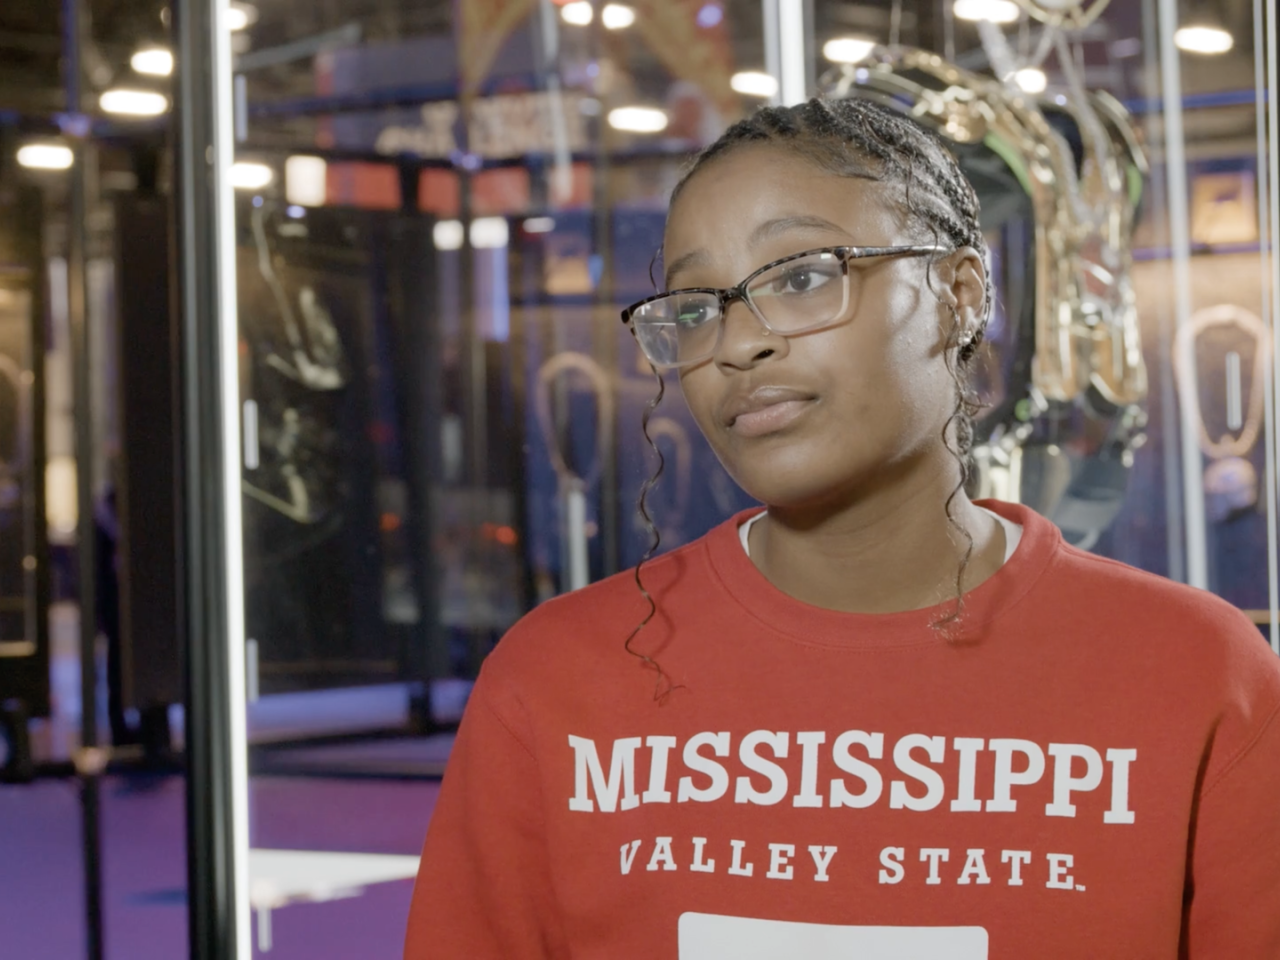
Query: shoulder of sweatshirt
{"x":1174,"y":623}
{"x":576,"y":635}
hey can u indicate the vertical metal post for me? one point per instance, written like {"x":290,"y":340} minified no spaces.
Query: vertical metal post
{"x":1180,"y":242}
{"x":1175,"y":541}
{"x":604,"y":337}
{"x":1268,"y":87}
{"x":88,"y":765}
{"x":217,"y":789}
{"x":784,"y":49}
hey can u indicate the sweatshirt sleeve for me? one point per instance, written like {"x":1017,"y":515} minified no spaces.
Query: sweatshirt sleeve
{"x":484,"y":889}
{"x":1234,"y":907}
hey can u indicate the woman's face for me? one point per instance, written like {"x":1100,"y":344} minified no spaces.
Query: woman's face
{"x":836,"y":413}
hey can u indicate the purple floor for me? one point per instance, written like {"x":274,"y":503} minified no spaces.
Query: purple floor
{"x":144,"y":870}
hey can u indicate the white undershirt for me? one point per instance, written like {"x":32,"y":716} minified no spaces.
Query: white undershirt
{"x":1012,"y":532}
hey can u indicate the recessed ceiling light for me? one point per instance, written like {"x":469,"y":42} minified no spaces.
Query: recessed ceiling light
{"x":1031,"y":80}
{"x":154,"y":61}
{"x":617,"y":16}
{"x":45,"y":156}
{"x":638,"y":119}
{"x":448,"y":234}
{"x":1203,"y":39}
{"x":251,"y":176}
{"x":241,"y":15}
{"x":490,"y":233}
{"x":306,"y":180}
{"x":754,"y":83}
{"x":579,"y":13}
{"x":848,"y":49}
{"x":997,"y":11}
{"x":133,"y":103}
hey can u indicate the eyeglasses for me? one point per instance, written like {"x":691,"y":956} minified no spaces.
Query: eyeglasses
{"x":797,"y":294}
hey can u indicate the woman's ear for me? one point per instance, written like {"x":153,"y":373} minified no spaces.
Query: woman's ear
{"x":962,"y":288}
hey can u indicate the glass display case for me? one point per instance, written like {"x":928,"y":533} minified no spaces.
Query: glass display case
{"x":436,"y":420}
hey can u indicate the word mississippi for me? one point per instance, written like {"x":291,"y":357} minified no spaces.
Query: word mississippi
{"x":1077,"y":768}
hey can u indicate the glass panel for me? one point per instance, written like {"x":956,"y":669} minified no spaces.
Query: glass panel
{"x":443,"y":207}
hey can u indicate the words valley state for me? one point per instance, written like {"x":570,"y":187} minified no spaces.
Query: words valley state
{"x":858,"y":782}
{"x":893,"y":863}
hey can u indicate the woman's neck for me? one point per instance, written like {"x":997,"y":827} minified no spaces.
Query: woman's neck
{"x":881,"y":552}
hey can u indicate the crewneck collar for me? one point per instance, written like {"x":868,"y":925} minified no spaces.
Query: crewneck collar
{"x":991,"y":599}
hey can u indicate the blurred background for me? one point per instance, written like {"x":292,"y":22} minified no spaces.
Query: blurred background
{"x":439,"y":207}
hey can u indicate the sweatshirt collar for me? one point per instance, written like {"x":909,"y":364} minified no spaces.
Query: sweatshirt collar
{"x":991,"y":599}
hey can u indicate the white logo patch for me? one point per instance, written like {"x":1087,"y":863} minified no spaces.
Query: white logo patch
{"x":705,"y":936}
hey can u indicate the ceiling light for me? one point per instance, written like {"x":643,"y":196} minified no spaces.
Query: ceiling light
{"x":133,"y":103}
{"x":306,"y":181}
{"x":578,"y":13}
{"x":241,"y":15}
{"x":155,"y":62}
{"x":45,"y":156}
{"x":251,"y":176}
{"x":754,"y":83}
{"x":1203,"y":39}
{"x":448,"y":234}
{"x":997,"y":11}
{"x":617,"y":16}
{"x":539,"y":225}
{"x":489,"y":233}
{"x":638,"y":119}
{"x":848,"y":49}
{"x":1031,"y":80}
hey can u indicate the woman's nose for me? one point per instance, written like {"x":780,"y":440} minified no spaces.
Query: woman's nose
{"x":746,"y":340}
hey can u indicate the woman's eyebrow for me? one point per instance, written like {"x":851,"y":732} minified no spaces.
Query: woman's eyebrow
{"x":772,"y":228}
{"x":694,"y":258}
{"x":765,"y":231}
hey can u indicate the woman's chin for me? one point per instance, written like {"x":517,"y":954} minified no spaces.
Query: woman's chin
{"x":793,"y":487}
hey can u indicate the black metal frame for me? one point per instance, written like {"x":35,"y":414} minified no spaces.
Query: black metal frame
{"x":211,"y":866}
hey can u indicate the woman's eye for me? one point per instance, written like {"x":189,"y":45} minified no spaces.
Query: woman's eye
{"x":693,"y":314}
{"x":802,"y":280}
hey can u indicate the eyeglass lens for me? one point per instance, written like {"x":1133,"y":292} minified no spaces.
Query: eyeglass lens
{"x":795,"y":296}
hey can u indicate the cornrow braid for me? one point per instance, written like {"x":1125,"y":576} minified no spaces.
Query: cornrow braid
{"x":864,"y":139}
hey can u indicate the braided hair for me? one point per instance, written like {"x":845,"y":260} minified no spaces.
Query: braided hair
{"x":861,"y":138}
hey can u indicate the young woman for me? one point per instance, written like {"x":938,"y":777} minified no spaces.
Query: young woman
{"x":890,"y":722}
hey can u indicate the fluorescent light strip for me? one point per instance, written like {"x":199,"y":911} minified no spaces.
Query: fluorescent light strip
{"x":233,"y":546}
{"x":1180,"y":242}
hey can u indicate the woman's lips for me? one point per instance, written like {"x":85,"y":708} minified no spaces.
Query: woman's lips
{"x":769,"y":419}
{"x":766,"y":409}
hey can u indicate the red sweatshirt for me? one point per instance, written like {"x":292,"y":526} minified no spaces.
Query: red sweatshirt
{"x":1091,"y":771}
